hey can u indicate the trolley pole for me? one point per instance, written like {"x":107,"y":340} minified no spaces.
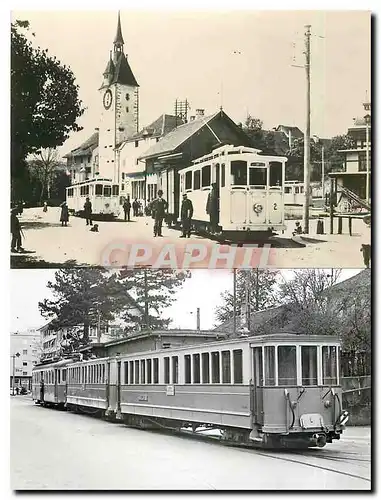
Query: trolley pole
{"x":307,"y":131}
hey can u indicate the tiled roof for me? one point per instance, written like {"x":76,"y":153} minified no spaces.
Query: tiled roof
{"x":86,"y":147}
{"x":160,"y":127}
{"x":123,"y":73}
{"x":178,"y":136}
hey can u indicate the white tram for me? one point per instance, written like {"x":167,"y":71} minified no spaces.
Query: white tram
{"x":249,"y":190}
{"x":294,"y":193}
{"x":103,"y":194}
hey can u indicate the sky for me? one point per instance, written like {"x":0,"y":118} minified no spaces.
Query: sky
{"x":240,"y":59}
{"x":203,"y":290}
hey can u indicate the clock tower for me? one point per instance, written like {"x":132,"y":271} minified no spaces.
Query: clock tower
{"x":119,"y":119}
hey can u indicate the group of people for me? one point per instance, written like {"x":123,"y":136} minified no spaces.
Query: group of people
{"x":137,"y":208}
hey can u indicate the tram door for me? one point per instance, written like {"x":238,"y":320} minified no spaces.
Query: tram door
{"x":42,"y":388}
{"x":275,"y":199}
{"x":218,"y":190}
{"x":258,"y":384}
{"x":118,"y":384}
{"x":56,"y":375}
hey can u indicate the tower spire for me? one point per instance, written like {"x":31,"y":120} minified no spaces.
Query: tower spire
{"x":118,"y":41}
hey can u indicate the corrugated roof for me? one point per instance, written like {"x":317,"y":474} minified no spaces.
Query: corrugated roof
{"x":178,"y":136}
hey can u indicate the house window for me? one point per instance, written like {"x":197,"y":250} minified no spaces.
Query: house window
{"x":136,"y":144}
{"x":25,"y":363}
{"x":25,"y":373}
{"x":25,"y":352}
{"x":127,"y":97}
{"x":127,"y":109}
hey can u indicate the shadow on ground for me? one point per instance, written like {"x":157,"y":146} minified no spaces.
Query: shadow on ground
{"x":37,"y":224}
{"x":25,"y":260}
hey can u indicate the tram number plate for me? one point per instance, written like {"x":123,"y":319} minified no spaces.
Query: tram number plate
{"x":170,"y":390}
{"x":311,"y":420}
{"x":143,"y":397}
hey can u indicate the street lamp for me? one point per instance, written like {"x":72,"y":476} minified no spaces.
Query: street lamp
{"x":14,"y":356}
{"x":367,"y":118}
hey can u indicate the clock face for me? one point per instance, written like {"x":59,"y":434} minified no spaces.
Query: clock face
{"x":107,"y":99}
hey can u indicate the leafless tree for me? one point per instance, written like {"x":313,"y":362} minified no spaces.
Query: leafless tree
{"x":43,"y":166}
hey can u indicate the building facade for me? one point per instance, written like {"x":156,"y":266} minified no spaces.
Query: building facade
{"x":25,"y":353}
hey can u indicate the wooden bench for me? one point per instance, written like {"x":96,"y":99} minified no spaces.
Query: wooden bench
{"x":350,"y":218}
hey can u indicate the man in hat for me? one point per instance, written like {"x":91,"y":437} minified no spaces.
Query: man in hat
{"x":186,"y":216}
{"x":212,"y":208}
{"x":127,"y":208}
{"x":88,"y":210}
{"x":159,"y":209}
{"x":16,"y":232}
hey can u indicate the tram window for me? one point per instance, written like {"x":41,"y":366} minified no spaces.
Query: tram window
{"x":296,"y":190}
{"x":126,"y":372}
{"x":136,"y":372}
{"x":115,"y":190}
{"x":257,"y":176}
{"x":301,"y":189}
{"x":215,"y":367}
{"x":188,"y":180}
{"x":238,"y":171}
{"x":196,"y":180}
{"x":107,"y":191}
{"x":287,"y":365}
{"x":98,"y":189}
{"x":309,"y":365}
{"x":131,"y":372}
{"x":205,"y":368}
{"x":223,"y":175}
{"x":226,"y":374}
{"x":287,"y":190}
{"x":70,"y":192}
{"x":149,"y":371}
{"x":166,"y":370}
{"x":175,"y":370}
{"x":205,"y":176}
{"x":59,"y":377}
{"x":196,"y":368}
{"x":156,"y":371}
{"x":237,"y":364}
{"x":187,"y":369}
{"x":269,"y":365}
{"x":329,"y":365}
{"x":143,"y":371}
{"x":276,"y":173}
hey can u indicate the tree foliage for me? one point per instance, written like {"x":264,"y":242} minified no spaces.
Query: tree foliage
{"x":334,"y":159}
{"x":261,"y":139}
{"x":295,"y":164}
{"x":257,"y":287}
{"x":45,"y":104}
{"x":154,"y":291}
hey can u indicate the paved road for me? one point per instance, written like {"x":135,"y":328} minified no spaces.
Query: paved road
{"x":57,"y":450}
{"x":50,"y":244}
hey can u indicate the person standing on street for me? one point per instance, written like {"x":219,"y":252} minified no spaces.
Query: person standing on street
{"x":127,"y":208}
{"x":212,"y":208}
{"x":159,"y":208}
{"x":88,"y":210}
{"x":45,"y":209}
{"x":64,"y":219}
{"x":135,"y":207}
{"x":16,"y":232}
{"x":186,"y":216}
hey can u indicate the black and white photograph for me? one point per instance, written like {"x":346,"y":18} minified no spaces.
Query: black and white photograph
{"x":148,"y":380}
{"x":189,"y":265}
{"x":171,"y":129}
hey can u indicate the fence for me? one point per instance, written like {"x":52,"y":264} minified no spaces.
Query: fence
{"x":357,"y":399}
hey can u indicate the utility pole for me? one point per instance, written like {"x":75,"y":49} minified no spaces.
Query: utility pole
{"x":146,"y":309}
{"x":322,"y":172}
{"x":14,"y":356}
{"x":307,"y":130}
{"x":234,"y":302}
{"x":99,"y":326}
{"x":198,"y":319}
{"x":248,"y":298}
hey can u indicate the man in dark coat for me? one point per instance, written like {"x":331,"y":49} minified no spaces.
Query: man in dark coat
{"x":159,"y":208}
{"x":88,"y":211}
{"x":186,"y":216}
{"x":127,"y":208}
{"x":64,"y":214}
{"x":212,"y":208}
{"x":16,"y":232}
{"x":135,"y":207}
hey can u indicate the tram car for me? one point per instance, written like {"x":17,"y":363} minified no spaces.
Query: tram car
{"x":103,"y":194}
{"x":248,"y":191}
{"x":294,"y":193}
{"x":276,"y":391}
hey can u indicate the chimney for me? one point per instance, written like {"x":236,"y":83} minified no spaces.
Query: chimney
{"x":200,"y":113}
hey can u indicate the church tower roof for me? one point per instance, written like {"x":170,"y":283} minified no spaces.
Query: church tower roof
{"x":110,"y":68}
{"x":119,"y":37}
{"x":123,"y":73}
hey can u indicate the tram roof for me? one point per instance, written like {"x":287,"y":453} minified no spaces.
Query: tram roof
{"x":89,"y":181}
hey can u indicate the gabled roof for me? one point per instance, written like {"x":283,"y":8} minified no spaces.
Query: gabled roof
{"x":178,"y":136}
{"x":123,"y":73}
{"x":160,"y":127}
{"x":86,"y":148}
{"x":295,"y":131}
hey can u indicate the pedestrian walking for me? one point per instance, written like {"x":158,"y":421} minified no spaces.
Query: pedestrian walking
{"x":159,"y":209}
{"x":212,"y":208}
{"x":88,"y":210}
{"x":186,"y":216}
{"x":127,"y":208}
{"x":64,"y":219}
{"x":135,"y":207}
{"x":16,"y":232}
{"x":45,"y":209}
